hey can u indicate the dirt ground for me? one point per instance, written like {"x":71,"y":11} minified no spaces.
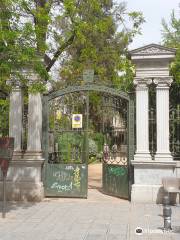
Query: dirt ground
{"x":95,"y":176}
{"x":95,"y":191}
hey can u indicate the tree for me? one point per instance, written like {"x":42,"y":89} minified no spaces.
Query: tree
{"x":171,"y":38}
{"x":35,"y":34}
{"x":103,"y":44}
{"x":6,"y":42}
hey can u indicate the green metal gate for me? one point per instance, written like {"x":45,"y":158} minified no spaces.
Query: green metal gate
{"x":117,"y":172}
{"x":66,"y":146}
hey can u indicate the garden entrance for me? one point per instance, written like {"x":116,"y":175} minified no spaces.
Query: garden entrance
{"x":84,"y":124}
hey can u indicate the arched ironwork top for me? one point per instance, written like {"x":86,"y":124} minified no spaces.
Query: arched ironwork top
{"x":89,"y":87}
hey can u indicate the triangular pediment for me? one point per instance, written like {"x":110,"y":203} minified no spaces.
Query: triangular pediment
{"x":153,"y":49}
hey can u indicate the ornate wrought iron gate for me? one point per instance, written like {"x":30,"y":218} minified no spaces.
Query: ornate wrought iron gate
{"x":117,"y":172}
{"x":66,"y":146}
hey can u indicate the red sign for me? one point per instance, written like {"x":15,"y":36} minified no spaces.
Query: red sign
{"x":6,"y":152}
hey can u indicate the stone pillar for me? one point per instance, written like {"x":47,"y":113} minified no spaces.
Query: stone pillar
{"x":142,"y":119}
{"x":152,"y":62}
{"x":15,"y":116}
{"x":162,"y":118}
{"x":24,"y":178}
{"x":34,"y":123}
{"x":34,"y":139}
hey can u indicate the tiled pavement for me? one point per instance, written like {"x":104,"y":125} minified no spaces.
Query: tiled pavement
{"x":99,"y":217}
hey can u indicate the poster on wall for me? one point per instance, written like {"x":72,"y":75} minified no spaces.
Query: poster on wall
{"x":77,"y":121}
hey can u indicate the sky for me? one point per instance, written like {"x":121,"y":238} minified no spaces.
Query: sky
{"x":153,"y":11}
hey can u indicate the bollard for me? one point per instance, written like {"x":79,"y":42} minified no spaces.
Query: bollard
{"x":167,"y":212}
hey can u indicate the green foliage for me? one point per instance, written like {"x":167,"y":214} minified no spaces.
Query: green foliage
{"x":175,"y":95}
{"x":171,"y":31}
{"x":93,"y":149}
{"x":70,"y":146}
{"x":6,"y":37}
{"x":96,"y":142}
{"x":175,"y":67}
{"x":4,"y":117}
{"x":99,"y":140}
{"x":34,"y":34}
{"x":93,"y":160}
{"x":17,"y":44}
{"x":101,"y":42}
{"x":37,"y":87}
{"x":171,"y":38}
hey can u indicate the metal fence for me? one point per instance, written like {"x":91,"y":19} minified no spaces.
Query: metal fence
{"x":174,"y":128}
{"x":152,"y":132}
{"x":175,"y":132}
{"x":174,"y":121}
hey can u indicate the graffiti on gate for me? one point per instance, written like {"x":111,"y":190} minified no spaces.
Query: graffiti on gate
{"x":117,"y":171}
{"x":77,"y":178}
{"x":67,"y":178}
{"x":62,"y":188}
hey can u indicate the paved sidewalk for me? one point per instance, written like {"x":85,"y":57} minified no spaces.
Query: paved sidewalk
{"x":99,"y":217}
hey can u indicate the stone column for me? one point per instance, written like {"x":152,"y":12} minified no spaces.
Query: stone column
{"x":162,"y":118}
{"x":24,"y":178}
{"x":15,"y":117}
{"x":152,"y":61}
{"x":142,"y":119}
{"x":34,"y":124}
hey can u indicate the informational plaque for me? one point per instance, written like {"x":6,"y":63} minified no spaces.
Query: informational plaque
{"x":77,"y":121}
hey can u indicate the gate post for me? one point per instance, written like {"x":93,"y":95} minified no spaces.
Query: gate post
{"x":162,"y":118}
{"x":142,"y":119}
{"x":152,"y":62}
{"x":26,"y":173}
{"x":33,"y":155}
{"x":24,"y":180}
{"x":34,"y":125}
{"x":15,"y":115}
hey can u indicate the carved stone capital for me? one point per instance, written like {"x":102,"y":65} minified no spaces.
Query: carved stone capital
{"x":142,"y":83}
{"x":14,"y":82}
{"x":163,"y":82}
{"x":30,"y":75}
{"x":27,"y":74}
